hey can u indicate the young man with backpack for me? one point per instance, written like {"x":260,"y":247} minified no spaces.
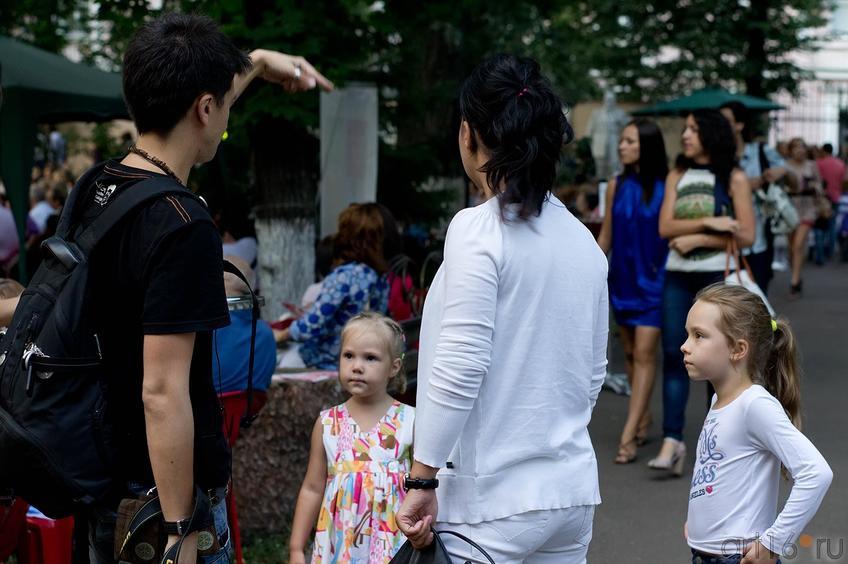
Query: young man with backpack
{"x":154,"y":292}
{"x":763,"y":166}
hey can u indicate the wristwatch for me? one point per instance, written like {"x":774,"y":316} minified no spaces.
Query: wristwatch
{"x":418,"y":483}
{"x":177,"y":528}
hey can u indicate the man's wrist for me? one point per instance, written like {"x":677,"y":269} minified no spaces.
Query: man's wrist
{"x":257,"y":57}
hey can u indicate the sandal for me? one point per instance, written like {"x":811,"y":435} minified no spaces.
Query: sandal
{"x":644,"y":428}
{"x":626,"y":452}
{"x":675,"y":462}
{"x":795,"y":291}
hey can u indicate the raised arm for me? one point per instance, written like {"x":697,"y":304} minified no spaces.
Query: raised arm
{"x":293,"y":73}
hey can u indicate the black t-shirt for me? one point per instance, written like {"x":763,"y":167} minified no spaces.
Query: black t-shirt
{"x":159,"y":271}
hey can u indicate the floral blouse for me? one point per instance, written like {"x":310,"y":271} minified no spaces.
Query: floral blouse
{"x":349,"y":289}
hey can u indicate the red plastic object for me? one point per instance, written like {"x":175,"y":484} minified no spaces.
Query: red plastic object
{"x":235,"y":404}
{"x":47,"y":541}
{"x":12,"y":526}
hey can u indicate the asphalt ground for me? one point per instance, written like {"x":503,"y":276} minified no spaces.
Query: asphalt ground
{"x":642,"y":515}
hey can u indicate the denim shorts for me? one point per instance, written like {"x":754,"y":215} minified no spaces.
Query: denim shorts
{"x":102,"y":530}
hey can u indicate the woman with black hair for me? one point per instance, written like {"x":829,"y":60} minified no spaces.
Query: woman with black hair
{"x":707,"y":203}
{"x":637,"y":267}
{"x":513,"y":341}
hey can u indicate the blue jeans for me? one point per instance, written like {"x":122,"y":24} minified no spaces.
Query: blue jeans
{"x":678,"y":296}
{"x":699,"y":558}
{"x":102,"y":532}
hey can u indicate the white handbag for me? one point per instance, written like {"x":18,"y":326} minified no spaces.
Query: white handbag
{"x":778,"y":209}
{"x":743,"y":276}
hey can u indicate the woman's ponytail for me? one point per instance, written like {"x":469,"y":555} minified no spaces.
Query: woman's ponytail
{"x":513,"y":110}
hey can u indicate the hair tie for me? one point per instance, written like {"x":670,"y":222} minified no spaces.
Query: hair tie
{"x":522,"y":91}
{"x":773,"y":325}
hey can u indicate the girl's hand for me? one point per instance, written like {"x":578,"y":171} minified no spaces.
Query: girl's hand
{"x":685,"y":244}
{"x":722,"y":223}
{"x":297,"y":557}
{"x":756,"y":553}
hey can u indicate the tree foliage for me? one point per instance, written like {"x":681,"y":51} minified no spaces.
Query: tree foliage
{"x":417,"y":53}
{"x":669,"y":47}
{"x":48,"y":24}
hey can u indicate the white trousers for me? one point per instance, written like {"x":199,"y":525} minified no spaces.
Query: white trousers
{"x":559,"y":536}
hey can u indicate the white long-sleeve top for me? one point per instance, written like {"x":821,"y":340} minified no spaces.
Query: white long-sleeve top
{"x":733,"y":499}
{"x":512,"y":358}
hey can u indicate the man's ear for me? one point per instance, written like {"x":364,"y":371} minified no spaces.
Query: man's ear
{"x":203,"y":107}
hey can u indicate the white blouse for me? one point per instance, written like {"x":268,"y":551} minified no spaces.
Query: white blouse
{"x":512,"y":358}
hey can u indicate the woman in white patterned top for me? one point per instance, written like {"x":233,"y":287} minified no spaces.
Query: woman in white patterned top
{"x":707,"y":202}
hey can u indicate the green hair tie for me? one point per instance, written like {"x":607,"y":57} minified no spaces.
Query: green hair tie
{"x":773,"y":325}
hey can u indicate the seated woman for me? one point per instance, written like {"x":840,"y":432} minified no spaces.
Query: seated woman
{"x":356,"y":284}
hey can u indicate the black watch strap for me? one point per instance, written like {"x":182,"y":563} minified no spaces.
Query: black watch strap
{"x":410,"y":483}
{"x":177,"y":528}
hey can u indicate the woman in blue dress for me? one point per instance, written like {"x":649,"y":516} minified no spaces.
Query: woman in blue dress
{"x":630,"y":234}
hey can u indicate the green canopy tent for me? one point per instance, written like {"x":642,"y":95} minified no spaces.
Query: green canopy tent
{"x":42,"y":87}
{"x":707,"y":98}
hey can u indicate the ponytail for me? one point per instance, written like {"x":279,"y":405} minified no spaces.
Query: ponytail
{"x":781,"y":373}
{"x":512,"y":109}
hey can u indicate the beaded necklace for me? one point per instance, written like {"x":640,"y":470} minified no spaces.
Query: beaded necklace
{"x":156,"y":161}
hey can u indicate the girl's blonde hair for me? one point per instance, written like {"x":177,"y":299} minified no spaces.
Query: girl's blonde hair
{"x":772,"y":357}
{"x":392,"y":335}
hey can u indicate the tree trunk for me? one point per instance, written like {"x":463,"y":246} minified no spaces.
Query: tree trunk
{"x":756,"y":53}
{"x":286,"y":165}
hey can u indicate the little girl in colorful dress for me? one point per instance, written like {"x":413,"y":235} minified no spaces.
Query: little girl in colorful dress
{"x":752,"y":429}
{"x":360,"y":452}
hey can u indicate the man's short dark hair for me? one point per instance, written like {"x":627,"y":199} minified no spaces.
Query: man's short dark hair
{"x":173,"y":60}
{"x":741,"y":114}
{"x":827,"y":148}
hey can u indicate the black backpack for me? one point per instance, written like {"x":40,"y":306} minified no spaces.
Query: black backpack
{"x":56,"y":443}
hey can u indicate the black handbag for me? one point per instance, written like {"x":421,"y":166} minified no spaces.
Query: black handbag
{"x":436,"y":553}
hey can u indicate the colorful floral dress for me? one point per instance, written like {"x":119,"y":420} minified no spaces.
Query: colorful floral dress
{"x":365,"y":469}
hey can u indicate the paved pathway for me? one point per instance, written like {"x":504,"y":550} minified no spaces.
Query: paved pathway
{"x":642,"y":515}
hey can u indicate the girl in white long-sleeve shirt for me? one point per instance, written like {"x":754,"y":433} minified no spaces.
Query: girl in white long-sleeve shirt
{"x":750,"y":430}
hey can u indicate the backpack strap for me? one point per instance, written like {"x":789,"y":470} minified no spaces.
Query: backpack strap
{"x":66,"y":216}
{"x":248,"y":417}
{"x":125,"y":202}
{"x":764,"y":162}
{"x":722,"y":199}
